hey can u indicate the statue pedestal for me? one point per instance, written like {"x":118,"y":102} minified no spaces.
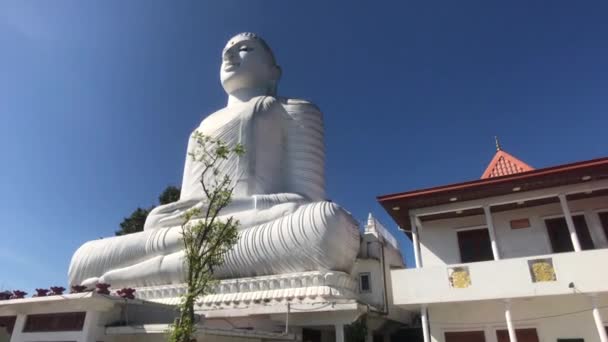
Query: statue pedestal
{"x":303,"y":287}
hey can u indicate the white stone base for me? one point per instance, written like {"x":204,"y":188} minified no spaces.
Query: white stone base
{"x":294,"y":287}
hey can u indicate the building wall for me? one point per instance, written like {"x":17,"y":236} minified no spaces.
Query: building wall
{"x":439,"y":242}
{"x":507,"y":278}
{"x":93,"y":329}
{"x":574,"y":318}
{"x":372,"y":266}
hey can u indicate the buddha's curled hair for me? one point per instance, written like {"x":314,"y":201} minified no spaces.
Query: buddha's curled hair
{"x":254,"y":36}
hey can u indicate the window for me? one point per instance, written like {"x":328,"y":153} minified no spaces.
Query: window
{"x":559,"y":235}
{"x":523,"y":335}
{"x":604,"y":221}
{"x":465,"y":336}
{"x":8,"y":322}
{"x":310,"y":335}
{"x":6,"y":327}
{"x":475,"y":245}
{"x":365,"y":282}
{"x":68,"y":321}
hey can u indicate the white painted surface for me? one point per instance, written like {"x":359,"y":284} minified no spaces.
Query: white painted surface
{"x":424,"y":321}
{"x":509,"y":321}
{"x":507,"y":278}
{"x":339,"y":332}
{"x":568,"y":316}
{"x":492,"y":233}
{"x":568,"y":216}
{"x":416,"y":242}
{"x":265,"y":290}
{"x":279,"y":195}
{"x":597,"y":318}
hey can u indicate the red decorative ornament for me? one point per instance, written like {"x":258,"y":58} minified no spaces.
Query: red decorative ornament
{"x":102,"y":288}
{"x":18,"y":294}
{"x":41,"y":292}
{"x":57,"y":290}
{"x":126,"y":293}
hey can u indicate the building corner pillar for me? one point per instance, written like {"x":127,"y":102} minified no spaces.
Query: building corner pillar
{"x":597,"y":317}
{"x":416,"y":240}
{"x":509,"y":319}
{"x":492,"y":232}
{"x":424,"y":321}
{"x":16,"y":336}
{"x":571,"y":228}
{"x":339,"y":332}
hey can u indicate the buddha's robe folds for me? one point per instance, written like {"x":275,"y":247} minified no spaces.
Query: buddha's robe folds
{"x":286,"y":225}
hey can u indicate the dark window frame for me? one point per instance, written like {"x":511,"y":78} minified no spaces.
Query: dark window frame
{"x":523,"y":334}
{"x":559,"y":235}
{"x":602,"y":215}
{"x":8,"y":322}
{"x":482,"y":253}
{"x":369,"y":282}
{"x":476,"y":335}
{"x":54,"y":322}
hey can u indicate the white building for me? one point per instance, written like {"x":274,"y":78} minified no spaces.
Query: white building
{"x":519,"y":255}
{"x":309,"y":306}
{"x":95,"y":317}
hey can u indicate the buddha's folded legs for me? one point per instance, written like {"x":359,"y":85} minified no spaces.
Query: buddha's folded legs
{"x":96,"y":258}
{"x":162,"y":269}
{"x":316,"y":236}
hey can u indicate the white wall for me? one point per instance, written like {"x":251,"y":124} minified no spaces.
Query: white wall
{"x":371,"y":266}
{"x":508,"y":278}
{"x":439,"y":242}
{"x":489,"y":317}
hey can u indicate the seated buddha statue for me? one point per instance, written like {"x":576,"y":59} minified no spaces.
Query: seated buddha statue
{"x":285,"y":223}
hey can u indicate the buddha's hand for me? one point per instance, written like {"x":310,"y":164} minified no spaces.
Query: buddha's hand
{"x":168,"y":210}
{"x":172,"y":214}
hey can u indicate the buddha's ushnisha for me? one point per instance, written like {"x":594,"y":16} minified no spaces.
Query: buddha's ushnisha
{"x":286,"y":225}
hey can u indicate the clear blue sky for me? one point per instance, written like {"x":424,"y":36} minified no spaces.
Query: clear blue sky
{"x":97,"y":100}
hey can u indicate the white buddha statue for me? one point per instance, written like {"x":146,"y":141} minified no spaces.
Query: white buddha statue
{"x":286,"y":225}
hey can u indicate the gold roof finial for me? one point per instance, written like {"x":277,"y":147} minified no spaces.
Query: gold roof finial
{"x":497,"y":144}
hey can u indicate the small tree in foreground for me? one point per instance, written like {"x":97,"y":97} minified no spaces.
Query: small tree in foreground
{"x":206,"y":238}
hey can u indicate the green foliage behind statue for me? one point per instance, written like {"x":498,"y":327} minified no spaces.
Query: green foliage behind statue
{"x":135,"y":222}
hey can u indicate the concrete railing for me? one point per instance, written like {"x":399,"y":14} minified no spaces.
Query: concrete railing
{"x":509,"y":278}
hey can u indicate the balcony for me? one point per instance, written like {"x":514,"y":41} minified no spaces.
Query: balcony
{"x":509,"y":278}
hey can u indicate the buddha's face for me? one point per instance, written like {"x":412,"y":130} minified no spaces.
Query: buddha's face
{"x":246,"y":63}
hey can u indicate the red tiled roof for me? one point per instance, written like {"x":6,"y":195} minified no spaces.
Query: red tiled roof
{"x":504,"y":164}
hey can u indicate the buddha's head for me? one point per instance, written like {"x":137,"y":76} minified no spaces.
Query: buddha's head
{"x":248,"y":63}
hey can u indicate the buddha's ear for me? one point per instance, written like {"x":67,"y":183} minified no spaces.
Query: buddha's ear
{"x":276,"y":72}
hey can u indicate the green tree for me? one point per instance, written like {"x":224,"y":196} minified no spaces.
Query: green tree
{"x":135,"y":222}
{"x":206,"y":238}
{"x":170,"y":195}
